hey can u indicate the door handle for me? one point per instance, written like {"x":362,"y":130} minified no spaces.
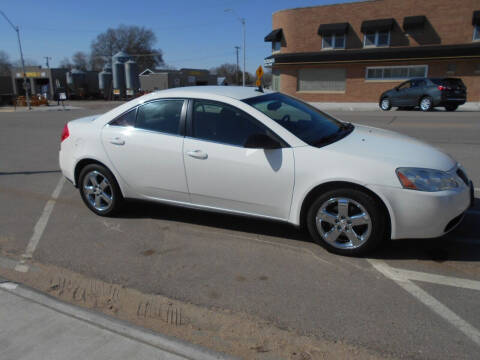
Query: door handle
{"x":197,"y":154}
{"x":117,"y":141}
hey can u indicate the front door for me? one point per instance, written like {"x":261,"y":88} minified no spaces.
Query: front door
{"x":146,"y":148}
{"x":223,"y":174}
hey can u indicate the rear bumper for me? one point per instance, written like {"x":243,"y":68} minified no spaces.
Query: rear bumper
{"x":418,"y":214}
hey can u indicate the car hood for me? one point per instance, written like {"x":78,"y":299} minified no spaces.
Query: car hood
{"x":393,"y":148}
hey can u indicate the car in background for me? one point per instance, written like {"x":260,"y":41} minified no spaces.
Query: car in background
{"x":426,"y":93}
{"x":265,"y":154}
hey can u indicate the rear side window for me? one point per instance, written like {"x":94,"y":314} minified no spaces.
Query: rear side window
{"x":223,"y":123}
{"x":126,"y":119}
{"x":161,"y":116}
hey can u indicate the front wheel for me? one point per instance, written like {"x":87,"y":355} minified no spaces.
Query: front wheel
{"x":451,"y":107}
{"x":99,"y":190}
{"x":347,"y":222}
{"x":385,"y":104}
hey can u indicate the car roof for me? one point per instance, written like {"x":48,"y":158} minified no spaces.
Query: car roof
{"x":235,"y":92}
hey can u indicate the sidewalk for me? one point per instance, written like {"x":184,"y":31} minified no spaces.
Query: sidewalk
{"x":36,"y":326}
{"x":38,"y":108}
{"x":338,"y":106}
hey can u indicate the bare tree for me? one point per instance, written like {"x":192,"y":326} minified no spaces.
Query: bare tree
{"x":5,"y":64}
{"x":229,"y":71}
{"x":80,"y":61}
{"x":28,"y":62}
{"x":134,"y":40}
{"x":65,"y":63}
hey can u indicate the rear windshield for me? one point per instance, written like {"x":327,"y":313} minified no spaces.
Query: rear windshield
{"x":449,"y":82}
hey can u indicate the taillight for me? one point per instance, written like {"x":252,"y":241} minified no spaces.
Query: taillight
{"x":65,"y":133}
{"x":441,"y":87}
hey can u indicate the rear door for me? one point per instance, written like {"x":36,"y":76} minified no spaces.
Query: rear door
{"x":223,"y":174}
{"x":145,"y":146}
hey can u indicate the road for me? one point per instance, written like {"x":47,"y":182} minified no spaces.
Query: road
{"x":410,"y":300}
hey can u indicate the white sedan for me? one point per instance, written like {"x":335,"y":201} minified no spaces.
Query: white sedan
{"x":265,"y":154}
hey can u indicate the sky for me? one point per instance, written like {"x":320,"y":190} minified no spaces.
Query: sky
{"x":195,"y":34}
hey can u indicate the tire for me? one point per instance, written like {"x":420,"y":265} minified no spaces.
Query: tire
{"x":385,"y":104}
{"x":426,"y":103}
{"x":324,"y":220}
{"x":99,"y":190}
{"x":451,"y":107}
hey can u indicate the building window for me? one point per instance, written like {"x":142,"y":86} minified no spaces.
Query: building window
{"x":327,"y":80}
{"x":451,"y":68}
{"x":377,"y":38}
{"x":276,"y":45}
{"x":396,"y":72}
{"x":476,"y":32}
{"x":333,"y":41}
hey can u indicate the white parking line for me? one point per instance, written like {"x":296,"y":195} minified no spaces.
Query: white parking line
{"x":401,"y":278}
{"x":40,"y":227}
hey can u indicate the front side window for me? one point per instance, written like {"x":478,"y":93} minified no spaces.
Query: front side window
{"x":377,"y":38}
{"x":161,"y":116}
{"x":476,"y":32}
{"x":303,"y":120}
{"x":333,"y":41}
{"x":218,"y":122}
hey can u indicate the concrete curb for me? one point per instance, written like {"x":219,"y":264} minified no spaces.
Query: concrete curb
{"x":120,"y":327}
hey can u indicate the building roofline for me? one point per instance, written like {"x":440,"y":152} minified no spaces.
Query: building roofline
{"x":326,"y":5}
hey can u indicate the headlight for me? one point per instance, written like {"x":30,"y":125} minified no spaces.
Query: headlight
{"x":426,"y":179}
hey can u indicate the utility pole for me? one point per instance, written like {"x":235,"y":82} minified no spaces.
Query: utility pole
{"x":16,"y":28}
{"x":236,"y":70}
{"x":46,"y":61}
{"x":242,"y":20}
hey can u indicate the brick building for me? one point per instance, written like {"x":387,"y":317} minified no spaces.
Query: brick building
{"x":352,"y":52}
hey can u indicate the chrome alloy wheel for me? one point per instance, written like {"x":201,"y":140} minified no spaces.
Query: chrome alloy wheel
{"x":425,"y":104}
{"x":98,"y":190}
{"x":385,"y":104}
{"x":343,"y":223}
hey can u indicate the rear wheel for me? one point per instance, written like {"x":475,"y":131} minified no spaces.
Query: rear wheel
{"x":99,"y":190}
{"x":347,"y":221}
{"x":385,"y":104}
{"x":451,"y":107}
{"x":426,"y":103}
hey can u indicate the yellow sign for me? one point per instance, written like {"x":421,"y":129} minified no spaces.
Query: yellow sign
{"x":259,"y":72}
{"x":258,"y":82}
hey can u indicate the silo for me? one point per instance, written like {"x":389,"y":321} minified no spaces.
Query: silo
{"x":118,"y":73}
{"x":131,"y":77}
{"x":105,"y":81}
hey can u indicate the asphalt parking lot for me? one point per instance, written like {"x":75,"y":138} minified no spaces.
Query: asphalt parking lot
{"x":412,"y":299}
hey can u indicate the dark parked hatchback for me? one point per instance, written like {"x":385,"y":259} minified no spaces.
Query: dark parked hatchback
{"x":426,"y":93}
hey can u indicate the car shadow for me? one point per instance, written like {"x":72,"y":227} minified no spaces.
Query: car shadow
{"x":253,"y":225}
{"x":462,"y":244}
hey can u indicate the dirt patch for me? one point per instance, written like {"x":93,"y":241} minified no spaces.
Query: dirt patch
{"x":237,"y":334}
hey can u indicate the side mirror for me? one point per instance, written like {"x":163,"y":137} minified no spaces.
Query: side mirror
{"x":261,"y":141}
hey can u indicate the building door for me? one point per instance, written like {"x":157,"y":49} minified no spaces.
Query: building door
{"x":276,"y":80}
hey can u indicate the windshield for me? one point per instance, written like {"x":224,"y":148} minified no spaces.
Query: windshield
{"x":304,"y":121}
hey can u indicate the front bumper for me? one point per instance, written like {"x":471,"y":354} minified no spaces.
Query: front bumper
{"x":419,"y":214}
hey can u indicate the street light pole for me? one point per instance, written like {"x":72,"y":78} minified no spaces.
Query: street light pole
{"x":17,"y":29}
{"x":244,"y":49}
{"x":242,"y":20}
